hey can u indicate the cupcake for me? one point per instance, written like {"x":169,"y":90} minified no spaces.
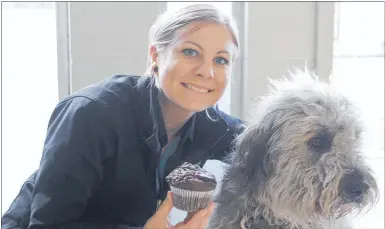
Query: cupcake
{"x":192,"y":187}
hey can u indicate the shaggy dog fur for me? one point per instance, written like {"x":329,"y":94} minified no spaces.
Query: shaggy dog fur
{"x":300,"y":164}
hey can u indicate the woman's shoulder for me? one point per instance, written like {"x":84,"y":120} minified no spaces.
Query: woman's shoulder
{"x":114,"y":99}
{"x":113,"y":91}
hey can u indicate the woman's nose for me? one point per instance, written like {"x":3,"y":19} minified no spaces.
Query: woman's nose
{"x":205,"y":69}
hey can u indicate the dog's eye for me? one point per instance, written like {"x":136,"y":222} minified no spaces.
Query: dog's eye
{"x":316,"y":142}
{"x":320,"y":144}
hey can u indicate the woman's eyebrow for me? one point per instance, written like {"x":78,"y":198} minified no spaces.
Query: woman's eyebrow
{"x":223,"y":51}
{"x":193,"y":44}
{"x":219,"y":52}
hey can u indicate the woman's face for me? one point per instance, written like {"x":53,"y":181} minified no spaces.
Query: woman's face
{"x":194,"y":71}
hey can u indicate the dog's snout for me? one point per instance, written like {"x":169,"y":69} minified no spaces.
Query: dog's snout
{"x":352,"y":187}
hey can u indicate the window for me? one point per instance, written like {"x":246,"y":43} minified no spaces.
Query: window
{"x":30,"y":89}
{"x":358,"y":71}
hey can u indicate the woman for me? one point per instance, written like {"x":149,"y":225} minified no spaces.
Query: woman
{"x":109,"y":146}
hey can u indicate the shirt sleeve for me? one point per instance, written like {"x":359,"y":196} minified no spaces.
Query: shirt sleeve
{"x":78,"y":140}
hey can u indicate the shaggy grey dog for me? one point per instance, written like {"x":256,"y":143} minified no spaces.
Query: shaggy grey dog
{"x":300,"y":164}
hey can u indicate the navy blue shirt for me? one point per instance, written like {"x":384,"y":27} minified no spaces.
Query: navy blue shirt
{"x":101,"y":155}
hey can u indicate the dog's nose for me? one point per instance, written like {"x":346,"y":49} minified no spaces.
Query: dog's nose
{"x":353,"y":187}
{"x":354,"y":191}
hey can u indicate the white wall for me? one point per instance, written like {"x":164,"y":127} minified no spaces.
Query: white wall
{"x":109,"y":38}
{"x":280,"y":36}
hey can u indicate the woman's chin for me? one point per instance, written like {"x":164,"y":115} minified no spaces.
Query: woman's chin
{"x":194,"y":107}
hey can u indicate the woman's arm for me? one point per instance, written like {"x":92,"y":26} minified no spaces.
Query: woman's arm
{"x":78,"y":140}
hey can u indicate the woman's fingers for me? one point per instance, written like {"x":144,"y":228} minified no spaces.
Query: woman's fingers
{"x":189,"y":216}
{"x":160,"y":219}
{"x":206,"y":220}
{"x":199,"y":219}
{"x":166,"y":207}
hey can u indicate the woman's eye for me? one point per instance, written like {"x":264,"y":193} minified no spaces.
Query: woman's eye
{"x":190,"y":52}
{"x":221,"y":61}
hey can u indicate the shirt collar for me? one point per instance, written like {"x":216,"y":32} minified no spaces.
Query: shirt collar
{"x":151,"y":109}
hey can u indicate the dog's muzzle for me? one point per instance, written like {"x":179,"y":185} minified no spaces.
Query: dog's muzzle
{"x":352,"y":187}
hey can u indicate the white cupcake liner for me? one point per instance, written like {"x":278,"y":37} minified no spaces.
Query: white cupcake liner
{"x":190,"y":201}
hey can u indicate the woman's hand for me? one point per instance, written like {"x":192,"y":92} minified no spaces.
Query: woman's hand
{"x":196,"y":220}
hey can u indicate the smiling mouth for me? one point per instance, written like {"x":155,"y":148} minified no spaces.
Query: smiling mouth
{"x":197,"y":88}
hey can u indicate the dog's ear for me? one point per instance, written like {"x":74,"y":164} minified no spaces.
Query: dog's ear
{"x":251,"y":156}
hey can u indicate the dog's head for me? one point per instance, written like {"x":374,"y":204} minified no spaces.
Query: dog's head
{"x":302,"y":156}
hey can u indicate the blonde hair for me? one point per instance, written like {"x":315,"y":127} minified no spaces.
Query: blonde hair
{"x":162,"y":32}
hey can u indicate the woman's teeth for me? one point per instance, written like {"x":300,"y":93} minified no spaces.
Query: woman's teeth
{"x":197,"y":89}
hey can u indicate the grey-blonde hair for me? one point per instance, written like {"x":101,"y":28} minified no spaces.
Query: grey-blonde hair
{"x":162,"y":32}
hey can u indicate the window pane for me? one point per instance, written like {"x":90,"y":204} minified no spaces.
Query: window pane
{"x":359,"y":28}
{"x":360,"y":21}
{"x":30,"y":89}
{"x":358,"y":71}
{"x":362,"y":78}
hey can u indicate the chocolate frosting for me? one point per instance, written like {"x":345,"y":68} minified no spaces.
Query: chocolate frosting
{"x":191,"y":177}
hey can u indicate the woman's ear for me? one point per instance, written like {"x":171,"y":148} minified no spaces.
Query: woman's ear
{"x":153,"y":54}
{"x":154,"y":59}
